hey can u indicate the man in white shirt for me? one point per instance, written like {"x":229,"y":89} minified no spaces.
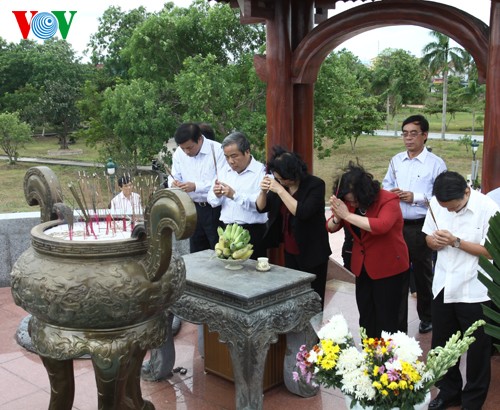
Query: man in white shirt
{"x":456,"y":226}
{"x":237,"y":189}
{"x":195,"y":164}
{"x":411,"y":175}
{"x":126,"y":202}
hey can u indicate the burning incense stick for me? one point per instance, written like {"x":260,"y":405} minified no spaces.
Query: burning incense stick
{"x":215,"y":162}
{"x":394,"y":173}
{"x":427,"y":202}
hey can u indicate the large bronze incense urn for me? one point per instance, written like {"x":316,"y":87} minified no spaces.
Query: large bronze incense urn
{"x":106,"y":299}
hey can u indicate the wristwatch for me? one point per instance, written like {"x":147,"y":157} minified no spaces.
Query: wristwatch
{"x":456,"y":244}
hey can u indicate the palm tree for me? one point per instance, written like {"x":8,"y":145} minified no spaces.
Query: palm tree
{"x":441,"y":58}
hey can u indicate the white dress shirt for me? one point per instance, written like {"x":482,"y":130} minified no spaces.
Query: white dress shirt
{"x":456,"y":270}
{"x":241,"y":209}
{"x":199,"y":169}
{"x":495,"y":195}
{"x":416,"y":175}
{"x":122,"y":205}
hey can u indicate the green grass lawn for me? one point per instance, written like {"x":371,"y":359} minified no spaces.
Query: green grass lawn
{"x":373,"y":153}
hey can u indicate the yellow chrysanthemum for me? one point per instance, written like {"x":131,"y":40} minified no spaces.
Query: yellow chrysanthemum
{"x":392,"y":386}
{"x":377,"y":385}
{"x":384,"y":379}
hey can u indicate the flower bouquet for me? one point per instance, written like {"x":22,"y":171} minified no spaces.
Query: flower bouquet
{"x":385,"y":374}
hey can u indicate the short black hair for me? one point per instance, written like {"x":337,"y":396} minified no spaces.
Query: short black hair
{"x":288,"y":165}
{"x":124,"y":180}
{"x":448,"y":186}
{"x":417,"y":119}
{"x":187,"y":131}
{"x":207,"y":130}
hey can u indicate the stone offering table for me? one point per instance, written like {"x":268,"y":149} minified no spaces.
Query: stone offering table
{"x":249,"y":309}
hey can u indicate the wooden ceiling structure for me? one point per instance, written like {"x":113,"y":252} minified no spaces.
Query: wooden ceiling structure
{"x":299,"y":36}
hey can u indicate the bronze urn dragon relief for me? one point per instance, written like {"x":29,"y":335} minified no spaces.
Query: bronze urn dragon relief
{"x":106,"y":299}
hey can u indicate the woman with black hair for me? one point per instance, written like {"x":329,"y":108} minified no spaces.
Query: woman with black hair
{"x":379,"y":256}
{"x":295,"y":202}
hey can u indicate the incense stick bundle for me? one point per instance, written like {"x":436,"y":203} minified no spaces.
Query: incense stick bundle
{"x":394,"y":173}
{"x":215,"y":162}
{"x":427,"y":202}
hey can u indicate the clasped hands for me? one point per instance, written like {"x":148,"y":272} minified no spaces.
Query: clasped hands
{"x":222,"y":189}
{"x":338,"y":207}
{"x":404,"y":196}
{"x":270,"y":184}
{"x":185,"y":186}
{"x":443,"y":238}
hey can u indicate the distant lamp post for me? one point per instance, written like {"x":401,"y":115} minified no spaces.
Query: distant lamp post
{"x":111,"y":171}
{"x":475,"y":163}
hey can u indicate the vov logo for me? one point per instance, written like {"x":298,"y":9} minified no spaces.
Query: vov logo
{"x":44,"y":25}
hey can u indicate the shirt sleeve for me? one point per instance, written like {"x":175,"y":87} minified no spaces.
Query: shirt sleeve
{"x":387,"y":216}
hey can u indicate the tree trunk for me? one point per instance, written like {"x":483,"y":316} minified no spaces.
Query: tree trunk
{"x":388,"y":112}
{"x":445,"y":99}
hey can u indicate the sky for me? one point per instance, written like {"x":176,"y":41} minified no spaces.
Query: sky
{"x":85,"y":22}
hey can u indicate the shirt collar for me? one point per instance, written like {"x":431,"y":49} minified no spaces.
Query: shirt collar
{"x":420,"y":157}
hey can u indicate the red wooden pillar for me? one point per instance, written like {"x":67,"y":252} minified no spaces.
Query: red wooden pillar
{"x":303,"y":94}
{"x":490,"y":178}
{"x":279,"y":104}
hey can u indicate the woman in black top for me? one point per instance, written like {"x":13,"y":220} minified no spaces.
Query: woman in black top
{"x":295,"y":201}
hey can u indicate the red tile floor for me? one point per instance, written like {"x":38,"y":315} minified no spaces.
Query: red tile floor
{"x":24,"y":383}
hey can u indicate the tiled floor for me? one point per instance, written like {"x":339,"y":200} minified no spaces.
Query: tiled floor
{"x":24,"y":383}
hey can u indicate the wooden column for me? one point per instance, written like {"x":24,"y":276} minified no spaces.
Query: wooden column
{"x":279,"y":104}
{"x":303,"y":94}
{"x":490,"y":178}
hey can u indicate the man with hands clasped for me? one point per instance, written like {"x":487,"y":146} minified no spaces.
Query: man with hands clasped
{"x":410,"y":175}
{"x":236,"y":189}
{"x":456,"y":226}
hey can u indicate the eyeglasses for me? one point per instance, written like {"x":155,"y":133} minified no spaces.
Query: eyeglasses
{"x":411,"y":134}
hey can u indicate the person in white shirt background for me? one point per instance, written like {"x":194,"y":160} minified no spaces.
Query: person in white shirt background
{"x":126,"y":202}
{"x":411,"y":175}
{"x":456,"y":226}
{"x":195,"y":164}
{"x":237,"y":189}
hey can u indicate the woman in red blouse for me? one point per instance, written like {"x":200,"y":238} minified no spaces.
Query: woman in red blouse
{"x":379,"y":255}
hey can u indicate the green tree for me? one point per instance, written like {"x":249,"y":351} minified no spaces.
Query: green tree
{"x":139,"y":119}
{"x":441,"y":58}
{"x":228,"y":96}
{"x":14,"y":133}
{"x":157,"y":49}
{"x":398,"y":78}
{"x":115,"y":30}
{"x":344,"y":108}
{"x":473,"y":95}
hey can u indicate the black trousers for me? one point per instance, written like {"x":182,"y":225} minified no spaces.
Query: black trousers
{"x":421,"y":266}
{"x":318,"y":284}
{"x":205,"y":235}
{"x":447,"y":319}
{"x":380,"y":303}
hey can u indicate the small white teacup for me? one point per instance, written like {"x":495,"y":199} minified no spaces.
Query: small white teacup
{"x":263,"y":263}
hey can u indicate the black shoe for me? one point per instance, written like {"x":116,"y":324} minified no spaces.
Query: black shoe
{"x":439,"y":403}
{"x":424,"y":327}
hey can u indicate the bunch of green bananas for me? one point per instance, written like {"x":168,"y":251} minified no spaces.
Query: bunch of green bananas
{"x":233,"y":243}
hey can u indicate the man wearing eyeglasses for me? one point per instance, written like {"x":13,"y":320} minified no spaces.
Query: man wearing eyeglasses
{"x":411,"y":176}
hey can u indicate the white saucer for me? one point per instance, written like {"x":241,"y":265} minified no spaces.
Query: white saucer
{"x":263,"y":270}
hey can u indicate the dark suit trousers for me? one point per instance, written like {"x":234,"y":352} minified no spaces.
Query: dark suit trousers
{"x":380,"y":302}
{"x":447,"y":319}
{"x":318,"y":284}
{"x":205,"y":235}
{"x":421,"y":265}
